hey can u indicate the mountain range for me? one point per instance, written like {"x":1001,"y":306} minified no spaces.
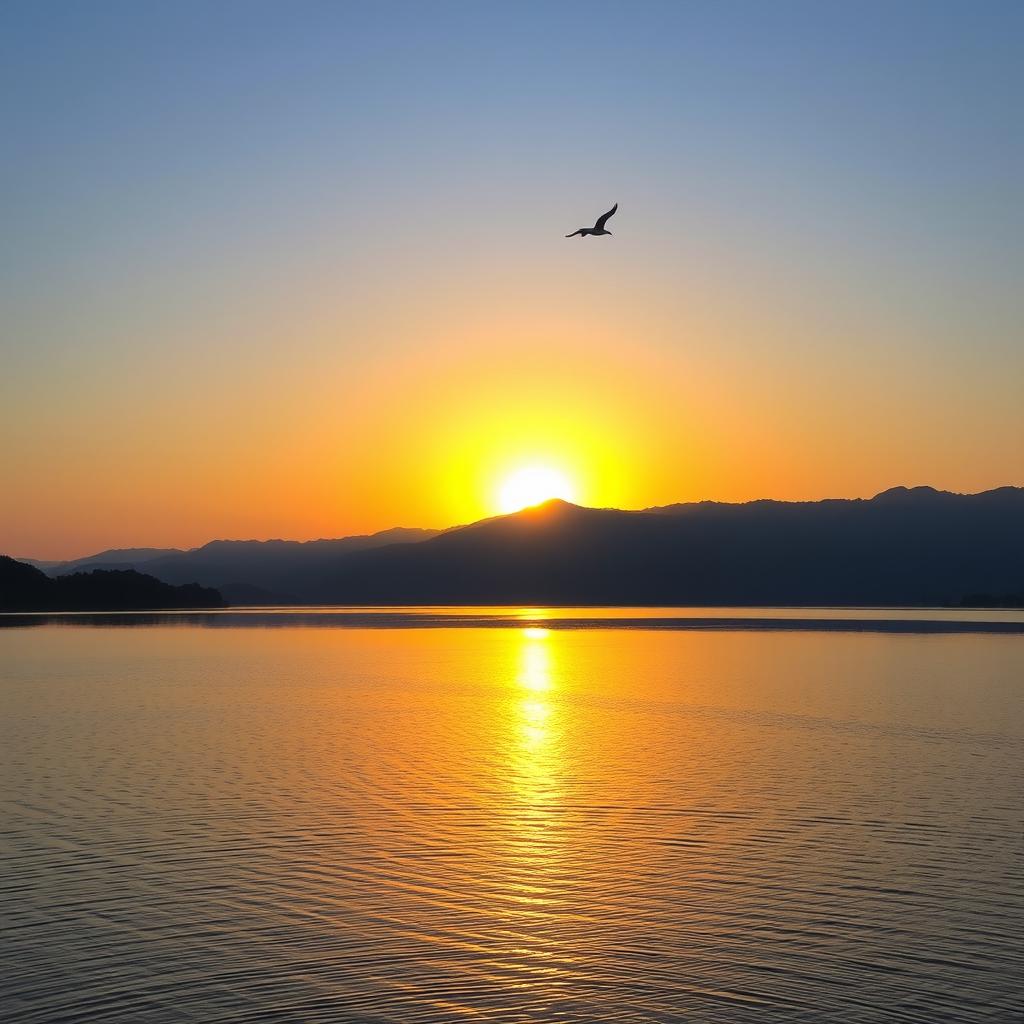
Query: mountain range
{"x":244,"y":571}
{"x":905,"y":546}
{"x":25,"y":588}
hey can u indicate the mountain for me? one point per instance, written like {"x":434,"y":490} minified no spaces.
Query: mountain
{"x":46,"y":564}
{"x":278,"y":568}
{"x":114,"y":558}
{"x":23,"y":587}
{"x":248,"y":571}
{"x":245,"y":595}
{"x":905,"y":546}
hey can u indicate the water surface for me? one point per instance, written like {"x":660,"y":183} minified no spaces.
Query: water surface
{"x":516,"y":823}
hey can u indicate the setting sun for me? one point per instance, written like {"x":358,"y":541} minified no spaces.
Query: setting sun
{"x":531,"y":486}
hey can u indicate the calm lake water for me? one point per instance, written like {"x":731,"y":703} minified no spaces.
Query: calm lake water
{"x":342,"y":819}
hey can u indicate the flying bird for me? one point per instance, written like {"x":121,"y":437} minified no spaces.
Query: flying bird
{"x":598,"y":228}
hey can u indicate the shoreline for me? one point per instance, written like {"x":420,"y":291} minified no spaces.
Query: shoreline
{"x":534,"y":618}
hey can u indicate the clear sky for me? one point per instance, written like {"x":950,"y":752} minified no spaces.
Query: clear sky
{"x":297,"y":269}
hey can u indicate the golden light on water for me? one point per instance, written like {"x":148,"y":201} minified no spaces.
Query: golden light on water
{"x":535,"y":670}
{"x":532,"y":846}
{"x":534,"y":707}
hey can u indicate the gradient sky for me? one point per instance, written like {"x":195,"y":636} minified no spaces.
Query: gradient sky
{"x":297,"y":269}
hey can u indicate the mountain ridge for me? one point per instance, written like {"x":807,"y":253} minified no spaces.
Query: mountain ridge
{"x":912,"y":545}
{"x":25,"y":588}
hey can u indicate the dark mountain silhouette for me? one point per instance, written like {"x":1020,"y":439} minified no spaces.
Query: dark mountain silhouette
{"x":904,"y":547}
{"x":241,"y":595}
{"x":278,"y":567}
{"x":993,"y":600}
{"x":251,"y":571}
{"x":26,"y":588}
{"x":115,"y":558}
{"x":23,"y":587}
{"x":47,"y":565}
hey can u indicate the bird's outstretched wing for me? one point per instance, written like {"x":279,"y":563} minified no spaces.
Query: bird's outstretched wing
{"x":579,"y":231}
{"x":599,"y":226}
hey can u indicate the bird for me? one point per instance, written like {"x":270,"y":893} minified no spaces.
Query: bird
{"x":598,"y":228}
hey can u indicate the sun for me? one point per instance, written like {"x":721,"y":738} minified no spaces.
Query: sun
{"x":532,"y":485}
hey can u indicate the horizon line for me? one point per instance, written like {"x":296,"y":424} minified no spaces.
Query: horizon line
{"x":527,"y":508}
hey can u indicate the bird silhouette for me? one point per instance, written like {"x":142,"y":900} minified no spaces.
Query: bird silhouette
{"x":598,"y":228}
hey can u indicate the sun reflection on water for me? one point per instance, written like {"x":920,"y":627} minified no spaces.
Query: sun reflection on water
{"x":533,"y":847}
{"x":535,"y":752}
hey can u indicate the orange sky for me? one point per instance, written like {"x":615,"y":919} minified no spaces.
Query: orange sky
{"x":634,"y":411}
{"x":310,"y":279}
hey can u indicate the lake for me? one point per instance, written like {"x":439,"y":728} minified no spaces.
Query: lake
{"x":519,"y":815}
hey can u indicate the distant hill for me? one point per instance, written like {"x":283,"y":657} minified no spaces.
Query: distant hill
{"x":905,"y":546}
{"x":278,"y":568}
{"x":47,"y":565}
{"x":241,"y":595}
{"x":115,"y":558}
{"x":247,"y":571}
{"x":23,"y":587}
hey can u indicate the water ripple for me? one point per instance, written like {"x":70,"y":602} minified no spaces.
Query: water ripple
{"x":510,"y":825}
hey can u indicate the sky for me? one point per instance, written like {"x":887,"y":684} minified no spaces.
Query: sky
{"x":298,"y":269}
